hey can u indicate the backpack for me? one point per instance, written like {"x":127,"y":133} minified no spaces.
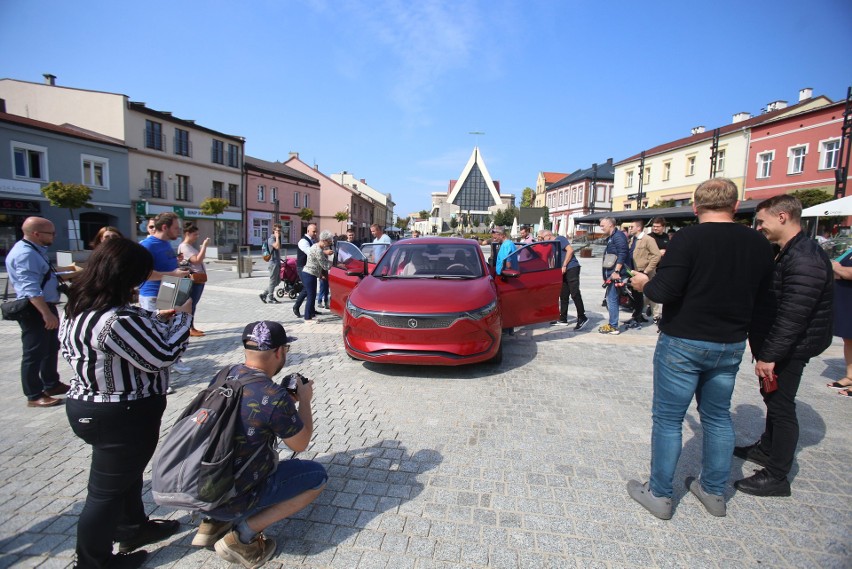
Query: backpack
{"x":194,"y":466}
{"x":264,"y":250}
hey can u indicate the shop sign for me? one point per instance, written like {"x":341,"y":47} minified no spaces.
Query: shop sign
{"x":19,"y":206}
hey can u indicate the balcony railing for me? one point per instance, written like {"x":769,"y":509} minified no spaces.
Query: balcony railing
{"x":183,"y":193}
{"x":154,"y":141}
{"x":155,"y":190}
{"x":183,"y":147}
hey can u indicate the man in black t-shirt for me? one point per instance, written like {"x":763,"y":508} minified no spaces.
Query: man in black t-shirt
{"x":708,"y":300}
{"x":658,"y":233}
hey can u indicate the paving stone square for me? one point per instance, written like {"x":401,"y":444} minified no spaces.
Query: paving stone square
{"x":515,"y":466}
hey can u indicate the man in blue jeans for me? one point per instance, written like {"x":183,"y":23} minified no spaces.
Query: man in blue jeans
{"x":616,"y":252}
{"x":708,"y":283}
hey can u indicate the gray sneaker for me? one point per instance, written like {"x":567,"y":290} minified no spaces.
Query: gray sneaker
{"x":660,"y":506}
{"x":714,"y":503}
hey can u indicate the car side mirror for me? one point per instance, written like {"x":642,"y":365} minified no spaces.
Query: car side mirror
{"x":510,"y":273}
{"x":360,"y":273}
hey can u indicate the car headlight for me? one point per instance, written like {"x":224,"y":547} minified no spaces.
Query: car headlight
{"x":483,"y":312}
{"x":353,"y":310}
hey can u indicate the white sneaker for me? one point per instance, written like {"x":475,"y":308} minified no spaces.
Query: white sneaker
{"x":181,"y":368}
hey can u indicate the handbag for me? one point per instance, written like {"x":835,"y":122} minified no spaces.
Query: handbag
{"x":609,"y":260}
{"x":17,"y":309}
{"x":198,"y":278}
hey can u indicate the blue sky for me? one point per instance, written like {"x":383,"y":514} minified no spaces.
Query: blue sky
{"x":390,"y":90}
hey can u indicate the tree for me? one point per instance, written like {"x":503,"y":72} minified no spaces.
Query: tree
{"x":70,"y":197}
{"x":423,"y":214}
{"x":499,"y":217}
{"x":214,"y":207}
{"x":306,"y":214}
{"x":341,"y":216}
{"x":812,"y":197}
{"x":402,"y":222}
{"x":546,"y":217}
{"x":454,"y":222}
{"x":527,"y":197}
{"x":663,"y":203}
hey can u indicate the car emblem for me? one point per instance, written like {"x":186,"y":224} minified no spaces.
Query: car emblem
{"x":412,"y":323}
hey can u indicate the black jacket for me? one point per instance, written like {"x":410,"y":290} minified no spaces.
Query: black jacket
{"x":794,"y":320}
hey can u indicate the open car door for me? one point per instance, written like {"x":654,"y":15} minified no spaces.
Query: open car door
{"x":528,"y":289}
{"x":348,"y":267}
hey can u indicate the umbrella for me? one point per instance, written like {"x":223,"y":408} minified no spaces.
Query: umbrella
{"x":514,"y":232}
{"x":541,"y":223}
{"x":563,"y":227}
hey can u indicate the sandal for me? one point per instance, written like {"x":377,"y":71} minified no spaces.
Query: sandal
{"x":845,"y":392}
{"x":838,"y":385}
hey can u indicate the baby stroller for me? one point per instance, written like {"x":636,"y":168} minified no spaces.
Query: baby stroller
{"x":291,"y":284}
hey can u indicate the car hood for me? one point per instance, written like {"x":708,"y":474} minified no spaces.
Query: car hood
{"x":422,"y":296}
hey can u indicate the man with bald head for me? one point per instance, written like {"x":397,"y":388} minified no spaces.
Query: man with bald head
{"x":33,"y":277}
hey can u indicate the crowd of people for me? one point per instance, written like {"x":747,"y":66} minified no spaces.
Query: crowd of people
{"x":715,"y":289}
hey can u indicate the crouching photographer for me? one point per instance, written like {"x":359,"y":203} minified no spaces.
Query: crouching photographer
{"x":266,"y":491}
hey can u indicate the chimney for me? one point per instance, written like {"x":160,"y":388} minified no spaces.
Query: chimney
{"x":805,"y":94}
{"x":316,"y":166}
{"x":609,"y":161}
{"x":697,"y":130}
{"x":49,"y":79}
{"x":776,"y":106}
{"x":740,"y":117}
{"x":364,"y":181}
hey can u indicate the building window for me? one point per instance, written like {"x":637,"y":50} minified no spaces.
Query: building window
{"x":217,"y":152}
{"x":720,"y":161}
{"x":830,"y":151}
{"x":261,"y":194}
{"x":233,"y":156}
{"x":296,"y":200}
{"x":274,"y":194}
{"x":155,"y":184}
{"x":233,"y":195}
{"x":182,"y":142}
{"x":628,"y":206}
{"x":667,"y":170}
{"x":797,"y":159}
{"x":183,"y":191}
{"x":690,"y":165}
{"x":217,"y":190}
{"x":307,"y":200}
{"x":628,"y":179}
{"x":30,"y":161}
{"x":764,"y":164}
{"x":154,"y":135}
{"x":647,"y":176}
{"x":95,"y":171}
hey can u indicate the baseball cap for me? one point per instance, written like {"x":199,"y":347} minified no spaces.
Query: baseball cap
{"x":265,"y":335}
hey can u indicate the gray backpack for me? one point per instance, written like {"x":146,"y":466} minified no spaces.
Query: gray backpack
{"x":194,"y":466}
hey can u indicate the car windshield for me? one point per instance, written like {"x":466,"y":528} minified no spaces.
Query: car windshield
{"x":434,"y":260}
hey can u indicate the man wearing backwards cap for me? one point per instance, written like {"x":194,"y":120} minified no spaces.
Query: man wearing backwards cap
{"x":267,"y":491}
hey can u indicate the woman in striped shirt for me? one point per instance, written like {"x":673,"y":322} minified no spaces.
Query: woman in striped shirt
{"x":120,"y":355}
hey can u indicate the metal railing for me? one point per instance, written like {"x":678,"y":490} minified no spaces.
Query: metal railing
{"x":154,"y":141}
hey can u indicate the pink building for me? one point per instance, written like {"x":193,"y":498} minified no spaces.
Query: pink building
{"x":797,"y":152}
{"x":335,"y":198}
{"x":268,"y":182}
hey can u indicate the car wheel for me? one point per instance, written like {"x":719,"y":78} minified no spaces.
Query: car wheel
{"x":498,"y":357}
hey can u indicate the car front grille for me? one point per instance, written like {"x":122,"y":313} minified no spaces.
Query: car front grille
{"x":412,"y":322}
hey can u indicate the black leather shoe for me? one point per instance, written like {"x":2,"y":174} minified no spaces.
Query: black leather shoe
{"x":752,"y":453}
{"x":761,"y":483}
{"x":296,"y":311}
{"x":127,"y":560}
{"x":151,"y":531}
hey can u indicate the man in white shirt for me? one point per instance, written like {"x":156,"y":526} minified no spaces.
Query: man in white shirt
{"x":379,"y":236}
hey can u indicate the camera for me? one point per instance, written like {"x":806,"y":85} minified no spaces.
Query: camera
{"x":289,"y":382}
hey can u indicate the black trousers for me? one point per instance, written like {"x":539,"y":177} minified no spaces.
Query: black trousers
{"x":123,"y":437}
{"x":302,"y":293}
{"x":571,"y":287}
{"x":40,"y":353}
{"x":638,"y":303}
{"x":781,"y":435}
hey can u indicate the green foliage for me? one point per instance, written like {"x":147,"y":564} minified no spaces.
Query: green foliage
{"x":454,"y":222}
{"x":812,"y":197}
{"x":546,"y":217}
{"x":402,"y":222}
{"x":424,"y":214}
{"x":527,"y":197}
{"x":68,"y":196}
{"x":213,"y":206}
{"x":306,"y":214}
{"x":663,"y":203}
{"x":341,"y":215}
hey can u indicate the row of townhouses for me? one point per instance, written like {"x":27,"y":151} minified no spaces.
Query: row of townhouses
{"x":139,"y":162}
{"x":787,"y":147}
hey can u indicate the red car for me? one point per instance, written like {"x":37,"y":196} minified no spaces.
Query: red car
{"x":435,"y":301}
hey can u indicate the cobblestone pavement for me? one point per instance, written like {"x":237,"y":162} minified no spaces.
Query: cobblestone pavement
{"x":518,"y":466}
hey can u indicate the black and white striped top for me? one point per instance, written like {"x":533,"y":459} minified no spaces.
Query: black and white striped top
{"x":121,"y":354}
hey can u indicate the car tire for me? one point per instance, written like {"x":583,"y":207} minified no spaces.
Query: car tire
{"x":497,"y":359}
